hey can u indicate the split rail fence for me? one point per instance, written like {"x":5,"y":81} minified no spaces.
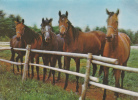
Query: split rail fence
{"x":104,"y":61}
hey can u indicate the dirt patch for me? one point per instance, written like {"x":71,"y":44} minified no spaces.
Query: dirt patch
{"x":93,"y":93}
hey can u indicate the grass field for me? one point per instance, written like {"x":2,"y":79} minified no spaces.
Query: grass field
{"x":12,"y":88}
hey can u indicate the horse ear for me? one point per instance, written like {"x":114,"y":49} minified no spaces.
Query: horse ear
{"x":108,"y":13}
{"x":23,"y":21}
{"x":59,"y":13}
{"x":50,"y":21}
{"x":117,"y":12}
{"x":66,"y":14}
{"x":42,"y":20}
{"x":17,"y":19}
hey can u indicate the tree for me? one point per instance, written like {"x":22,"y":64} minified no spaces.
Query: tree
{"x":136,"y":38}
{"x":87,"y":29}
{"x":2,"y":14}
{"x":103,"y":29}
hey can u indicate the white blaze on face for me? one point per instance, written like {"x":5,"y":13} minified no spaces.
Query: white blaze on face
{"x":46,"y":33}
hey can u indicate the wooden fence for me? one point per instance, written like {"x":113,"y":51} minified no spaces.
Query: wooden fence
{"x":109,"y":62}
{"x":4,"y":43}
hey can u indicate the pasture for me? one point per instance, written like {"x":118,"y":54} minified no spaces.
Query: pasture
{"x":12,"y":88}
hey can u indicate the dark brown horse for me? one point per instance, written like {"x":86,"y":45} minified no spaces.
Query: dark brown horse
{"x":14,"y":43}
{"x":117,"y":46}
{"x":29,"y":37}
{"x":79,"y":42}
{"x":51,"y":42}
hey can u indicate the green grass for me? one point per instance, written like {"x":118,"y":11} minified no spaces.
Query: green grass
{"x":30,"y":88}
{"x":12,"y":88}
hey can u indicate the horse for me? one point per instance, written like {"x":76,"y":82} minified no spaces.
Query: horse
{"x":51,"y":42}
{"x":117,"y":46}
{"x":79,"y":42}
{"x":29,"y":37}
{"x":15,"y":43}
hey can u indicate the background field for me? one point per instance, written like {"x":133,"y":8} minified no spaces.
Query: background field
{"x":12,"y":88}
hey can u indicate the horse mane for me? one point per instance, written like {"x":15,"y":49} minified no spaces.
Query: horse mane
{"x":30,"y":36}
{"x":75,"y":31}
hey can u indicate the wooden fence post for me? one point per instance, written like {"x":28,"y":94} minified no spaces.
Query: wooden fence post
{"x":86,"y":80}
{"x":28,"y":49}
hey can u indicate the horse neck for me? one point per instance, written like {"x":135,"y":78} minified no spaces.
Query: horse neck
{"x":112,"y":46}
{"x":53,"y":44}
{"x":70,"y":35}
{"x":54,"y":38}
{"x":29,"y":35}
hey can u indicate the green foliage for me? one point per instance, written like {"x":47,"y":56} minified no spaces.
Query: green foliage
{"x":12,"y":88}
{"x":87,"y":29}
{"x":4,"y":38}
{"x":136,"y":38}
{"x":103,"y":29}
{"x":56,"y":29}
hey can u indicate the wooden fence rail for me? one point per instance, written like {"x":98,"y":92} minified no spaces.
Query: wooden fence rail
{"x":5,"y":43}
{"x":94,"y":57}
{"x":90,"y":58}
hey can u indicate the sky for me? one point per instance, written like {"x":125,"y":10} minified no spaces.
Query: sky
{"x":80,"y":12}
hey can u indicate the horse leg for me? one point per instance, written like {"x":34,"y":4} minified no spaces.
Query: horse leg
{"x":12,"y":57}
{"x":117,"y":77}
{"x":53,"y":64}
{"x":105,"y":80}
{"x":59,"y":65}
{"x":37,"y":68}
{"x":94,"y":69}
{"x":32,"y":67}
{"x":101,"y":70}
{"x":45,"y":61}
{"x":49,"y":74}
{"x":21,"y":59}
{"x":66,"y":66}
{"x":123,"y":75}
{"x":17,"y":58}
{"x":77,"y":60}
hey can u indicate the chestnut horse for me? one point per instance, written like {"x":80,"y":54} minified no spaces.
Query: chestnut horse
{"x":79,"y":42}
{"x":15,"y":43}
{"x":117,"y":46}
{"x":51,"y":42}
{"x":29,"y":37}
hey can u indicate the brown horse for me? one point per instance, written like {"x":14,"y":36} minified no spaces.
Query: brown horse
{"x":14,"y":43}
{"x":117,"y":46}
{"x":79,"y":42}
{"x":29,"y":37}
{"x":51,"y":42}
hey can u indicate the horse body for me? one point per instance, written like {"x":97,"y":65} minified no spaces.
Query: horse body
{"x":51,"y":42}
{"x":117,"y":46}
{"x":32,"y":38}
{"x":83,"y":43}
{"x":79,"y":42}
{"x":14,"y":43}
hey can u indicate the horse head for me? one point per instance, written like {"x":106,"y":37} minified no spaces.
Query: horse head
{"x":46,"y":29}
{"x":63,"y":23}
{"x":20,"y":27}
{"x":112,"y":25}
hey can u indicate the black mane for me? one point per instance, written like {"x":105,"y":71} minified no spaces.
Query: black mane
{"x":30,"y":35}
{"x":75,"y":31}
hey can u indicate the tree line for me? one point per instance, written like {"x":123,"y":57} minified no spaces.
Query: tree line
{"x":7,"y":28}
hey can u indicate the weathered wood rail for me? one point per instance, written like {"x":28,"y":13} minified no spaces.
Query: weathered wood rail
{"x":109,"y":62}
